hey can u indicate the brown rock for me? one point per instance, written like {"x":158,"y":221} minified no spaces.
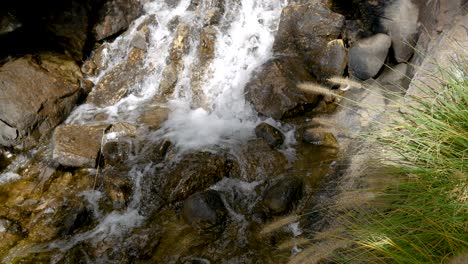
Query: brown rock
{"x":77,"y":146}
{"x":35,"y":97}
{"x":154,"y":116}
{"x":116,"y":83}
{"x":305,"y":29}
{"x":116,"y":16}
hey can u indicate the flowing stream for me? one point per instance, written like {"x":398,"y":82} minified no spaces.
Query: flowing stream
{"x":207,"y":105}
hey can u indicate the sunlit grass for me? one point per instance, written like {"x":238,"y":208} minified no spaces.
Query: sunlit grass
{"x":425,"y":215}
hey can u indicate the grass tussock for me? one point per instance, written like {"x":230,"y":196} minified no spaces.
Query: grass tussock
{"x":425,"y":215}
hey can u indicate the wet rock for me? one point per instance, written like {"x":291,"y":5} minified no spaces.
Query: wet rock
{"x":281,"y":196}
{"x":155,"y":152}
{"x":204,"y":210}
{"x":195,"y":172}
{"x":63,"y":217}
{"x":168,"y":80}
{"x":319,"y":136}
{"x":117,"y":186}
{"x":116,"y":16}
{"x":273,"y":89}
{"x":334,"y":59}
{"x":270,"y":134}
{"x":119,"y":80}
{"x":212,"y":17}
{"x":367,"y":56}
{"x":207,"y":44}
{"x":116,"y":152}
{"x":401,"y":24}
{"x":181,"y":43}
{"x":258,"y":161}
{"x":35,"y":96}
{"x":10,"y":233}
{"x":305,"y":30}
{"x":154,"y":116}
{"x":77,"y":146}
{"x":143,"y":243}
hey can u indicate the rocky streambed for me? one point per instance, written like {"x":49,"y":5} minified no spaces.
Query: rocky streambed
{"x":180,"y":131}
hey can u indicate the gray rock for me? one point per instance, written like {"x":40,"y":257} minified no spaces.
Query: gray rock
{"x":35,"y":97}
{"x":395,"y":77}
{"x":273,"y":89}
{"x":77,"y":146}
{"x":401,"y":23}
{"x":270,"y":134}
{"x":204,"y":210}
{"x":367,"y":56}
{"x":280,"y":197}
{"x":115,"y":16}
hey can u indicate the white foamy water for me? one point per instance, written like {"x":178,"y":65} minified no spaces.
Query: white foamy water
{"x":244,"y":38}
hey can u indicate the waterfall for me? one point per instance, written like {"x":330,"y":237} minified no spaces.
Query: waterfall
{"x":215,"y":111}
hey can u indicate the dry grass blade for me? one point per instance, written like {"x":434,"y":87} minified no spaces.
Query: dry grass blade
{"x":279,"y":223}
{"x":345,"y":82}
{"x":315,"y":89}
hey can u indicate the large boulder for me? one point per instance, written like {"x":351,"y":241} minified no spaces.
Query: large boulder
{"x":77,"y":146}
{"x":115,"y":16}
{"x":36,"y":96}
{"x":193,"y":173}
{"x":305,"y":30}
{"x":367,"y":56}
{"x":273,"y":88}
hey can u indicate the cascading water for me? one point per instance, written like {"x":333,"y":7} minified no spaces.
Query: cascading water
{"x":207,"y":105}
{"x":216,"y":112}
{"x":197,"y":58}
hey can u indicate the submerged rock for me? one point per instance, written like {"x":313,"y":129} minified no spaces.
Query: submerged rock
{"x":35,"y":96}
{"x":319,"y":136}
{"x":273,"y":89}
{"x":270,"y":134}
{"x":367,"y":56}
{"x":280,"y":197}
{"x":204,"y":210}
{"x":77,"y":146}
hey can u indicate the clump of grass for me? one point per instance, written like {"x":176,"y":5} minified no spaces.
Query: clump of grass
{"x":424,"y":218}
